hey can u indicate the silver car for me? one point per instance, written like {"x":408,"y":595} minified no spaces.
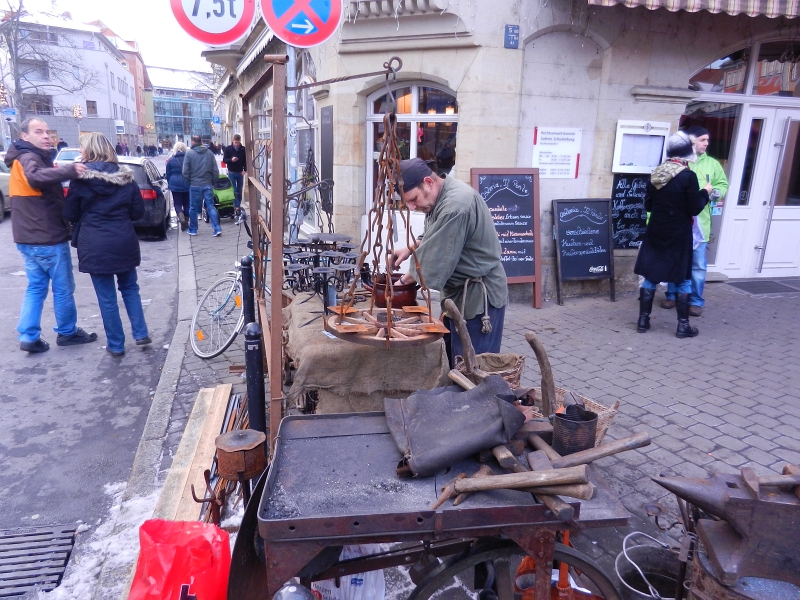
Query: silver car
{"x":5,"y":199}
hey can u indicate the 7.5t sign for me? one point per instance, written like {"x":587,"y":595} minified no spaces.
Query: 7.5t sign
{"x":214,"y":22}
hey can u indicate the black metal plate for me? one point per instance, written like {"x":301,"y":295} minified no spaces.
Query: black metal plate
{"x":759,"y":286}
{"x":34,"y":557}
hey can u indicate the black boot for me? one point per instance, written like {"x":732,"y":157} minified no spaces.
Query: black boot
{"x":682,"y":306}
{"x":645,"y":306}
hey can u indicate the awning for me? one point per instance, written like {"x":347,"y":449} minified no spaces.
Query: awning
{"x":752,"y":8}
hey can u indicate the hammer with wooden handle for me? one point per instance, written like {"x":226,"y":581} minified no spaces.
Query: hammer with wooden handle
{"x":484,"y":471}
{"x":559,"y":508}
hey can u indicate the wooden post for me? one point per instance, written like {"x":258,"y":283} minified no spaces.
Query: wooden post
{"x":278,"y":180}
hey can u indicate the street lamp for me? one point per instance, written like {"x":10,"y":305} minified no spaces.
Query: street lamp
{"x":77,"y":114}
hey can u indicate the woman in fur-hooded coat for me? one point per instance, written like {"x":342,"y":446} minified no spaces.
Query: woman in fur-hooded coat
{"x":104,"y":203}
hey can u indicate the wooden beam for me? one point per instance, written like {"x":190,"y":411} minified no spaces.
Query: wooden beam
{"x":260,"y":188}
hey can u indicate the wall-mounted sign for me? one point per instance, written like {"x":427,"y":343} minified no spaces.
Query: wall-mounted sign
{"x":214,"y":22}
{"x":119,"y":126}
{"x":302,"y":23}
{"x":557,"y":152}
{"x":511,"y":39}
{"x":640,"y":146}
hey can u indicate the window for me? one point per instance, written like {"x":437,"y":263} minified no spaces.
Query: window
{"x":427,"y":123}
{"x":33,"y":70}
{"x":38,"y":105}
{"x":724,"y":75}
{"x":775,"y":62}
{"x":46,"y":37}
{"x":91,"y":108}
{"x":115,"y":112}
{"x":113,"y":86}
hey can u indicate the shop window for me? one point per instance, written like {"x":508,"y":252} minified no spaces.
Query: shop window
{"x":721,"y":120}
{"x":427,"y":123}
{"x":726,"y":74}
{"x":776,"y":63}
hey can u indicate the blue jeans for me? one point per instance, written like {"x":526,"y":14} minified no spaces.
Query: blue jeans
{"x":681,"y":288}
{"x":236,"y":181}
{"x":481,"y":342}
{"x":45,"y":264}
{"x":109,"y":309}
{"x":197,"y":196}
{"x":698,"y":277}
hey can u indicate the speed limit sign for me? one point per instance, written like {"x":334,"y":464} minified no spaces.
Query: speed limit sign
{"x":214,"y":22}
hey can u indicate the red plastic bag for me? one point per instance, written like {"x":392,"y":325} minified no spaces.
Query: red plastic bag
{"x":174,"y":554}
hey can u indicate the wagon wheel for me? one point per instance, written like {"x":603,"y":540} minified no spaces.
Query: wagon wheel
{"x":458,"y":573}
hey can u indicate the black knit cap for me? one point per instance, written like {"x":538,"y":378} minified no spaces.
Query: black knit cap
{"x":414,"y":171}
{"x":696,"y":131}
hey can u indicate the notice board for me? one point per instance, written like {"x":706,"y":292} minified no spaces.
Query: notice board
{"x":512,"y":196}
{"x":627,"y":213}
{"x":584,"y":240}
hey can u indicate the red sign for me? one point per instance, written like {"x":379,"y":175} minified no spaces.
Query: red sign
{"x":214,"y":22}
{"x":302,"y":23}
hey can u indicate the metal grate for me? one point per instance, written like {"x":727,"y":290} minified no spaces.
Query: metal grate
{"x":34,"y":558}
{"x":759,"y":286}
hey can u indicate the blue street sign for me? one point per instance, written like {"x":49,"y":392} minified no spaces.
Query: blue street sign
{"x":215,"y":119}
{"x":9,"y":112}
{"x":512,"y":37}
{"x":302,"y":23}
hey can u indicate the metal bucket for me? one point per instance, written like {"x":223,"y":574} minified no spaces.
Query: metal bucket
{"x":647,"y":572}
{"x":574,"y":430}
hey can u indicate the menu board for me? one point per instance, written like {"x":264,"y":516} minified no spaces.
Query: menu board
{"x":627,"y":212}
{"x":584,"y":239}
{"x":512,"y":196}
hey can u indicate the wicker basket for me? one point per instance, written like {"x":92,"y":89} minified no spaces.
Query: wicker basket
{"x":605,"y":414}
{"x":494,"y":363}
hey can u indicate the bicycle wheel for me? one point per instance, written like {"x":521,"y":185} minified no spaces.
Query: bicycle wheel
{"x":455,"y":577}
{"x":218,"y":318}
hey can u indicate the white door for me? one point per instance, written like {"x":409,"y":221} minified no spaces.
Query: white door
{"x":761,"y":220}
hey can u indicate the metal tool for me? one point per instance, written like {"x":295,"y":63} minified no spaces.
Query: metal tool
{"x":241,"y":457}
{"x":759,"y":531}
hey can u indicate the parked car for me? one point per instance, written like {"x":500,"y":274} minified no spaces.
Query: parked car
{"x":5,"y":199}
{"x":66,"y":156}
{"x":153,"y":187}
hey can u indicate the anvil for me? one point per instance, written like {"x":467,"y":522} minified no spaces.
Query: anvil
{"x":759,"y":534}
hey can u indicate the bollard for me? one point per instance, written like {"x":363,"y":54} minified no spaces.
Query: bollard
{"x":254,"y":363}
{"x":248,"y":299}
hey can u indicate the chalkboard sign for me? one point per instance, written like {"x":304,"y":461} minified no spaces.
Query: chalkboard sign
{"x":627,"y":212}
{"x":584,"y":238}
{"x":512,"y":196}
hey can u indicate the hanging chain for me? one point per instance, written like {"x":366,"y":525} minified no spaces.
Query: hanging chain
{"x":388,"y":189}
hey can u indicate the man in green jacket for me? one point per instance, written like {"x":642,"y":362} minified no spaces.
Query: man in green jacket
{"x":708,"y":170}
{"x":459,"y":254}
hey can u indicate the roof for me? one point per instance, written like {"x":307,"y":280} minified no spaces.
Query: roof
{"x":60,"y":21}
{"x":176,"y":79}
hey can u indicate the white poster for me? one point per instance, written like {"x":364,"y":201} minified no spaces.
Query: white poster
{"x":557,"y":152}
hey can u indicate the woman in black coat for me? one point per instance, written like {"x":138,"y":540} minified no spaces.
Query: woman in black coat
{"x":673,"y":198}
{"x":104,"y":203}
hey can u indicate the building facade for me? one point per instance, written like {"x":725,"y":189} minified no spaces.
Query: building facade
{"x":181,"y":106}
{"x":469,"y":97}
{"x":73,"y":77}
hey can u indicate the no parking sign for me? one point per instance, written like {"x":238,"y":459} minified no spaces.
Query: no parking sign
{"x":215,"y":22}
{"x":302,"y":23}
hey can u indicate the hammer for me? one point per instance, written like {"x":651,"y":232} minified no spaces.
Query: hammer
{"x":584,"y":457}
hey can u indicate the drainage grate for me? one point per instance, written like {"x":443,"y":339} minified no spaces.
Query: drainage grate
{"x":763,"y":287}
{"x":33,"y":558}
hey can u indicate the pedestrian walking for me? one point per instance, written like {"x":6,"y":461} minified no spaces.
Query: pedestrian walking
{"x":672,"y":198}
{"x":178,"y":185}
{"x":61,"y":144}
{"x":200,"y":171}
{"x":139,"y":151}
{"x":104,"y":203}
{"x":118,"y":149}
{"x":42,"y":237}
{"x":235,"y":157}
{"x":708,"y":170}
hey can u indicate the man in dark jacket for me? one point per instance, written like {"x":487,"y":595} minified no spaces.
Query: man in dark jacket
{"x":235,"y":157}
{"x":42,"y":236}
{"x":200,"y":170}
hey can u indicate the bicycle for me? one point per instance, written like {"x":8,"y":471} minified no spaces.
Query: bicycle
{"x":219,"y":316}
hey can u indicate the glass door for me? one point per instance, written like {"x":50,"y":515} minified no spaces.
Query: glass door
{"x":761,"y":217}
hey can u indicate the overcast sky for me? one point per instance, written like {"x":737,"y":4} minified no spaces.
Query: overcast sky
{"x":162,"y":42}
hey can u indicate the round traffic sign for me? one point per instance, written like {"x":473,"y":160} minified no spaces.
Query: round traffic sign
{"x":214,"y":22}
{"x":302,"y":23}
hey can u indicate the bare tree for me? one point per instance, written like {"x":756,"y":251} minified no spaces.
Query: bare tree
{"x":43,"y":64}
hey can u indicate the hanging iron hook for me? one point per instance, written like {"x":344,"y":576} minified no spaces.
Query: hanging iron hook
{"x":392,"y":70}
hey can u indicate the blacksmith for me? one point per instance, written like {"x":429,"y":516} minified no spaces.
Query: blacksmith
{"x":459,"y":254}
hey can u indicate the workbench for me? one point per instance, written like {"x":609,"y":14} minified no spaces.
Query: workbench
{"x":333,"y":482}
{"x":349,"y":377}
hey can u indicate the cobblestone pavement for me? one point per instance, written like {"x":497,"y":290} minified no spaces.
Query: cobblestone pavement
{"x":726,"y":399}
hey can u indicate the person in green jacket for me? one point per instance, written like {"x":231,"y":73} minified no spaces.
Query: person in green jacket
{"x":459,"y":254}
{"x":708,"y":170}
